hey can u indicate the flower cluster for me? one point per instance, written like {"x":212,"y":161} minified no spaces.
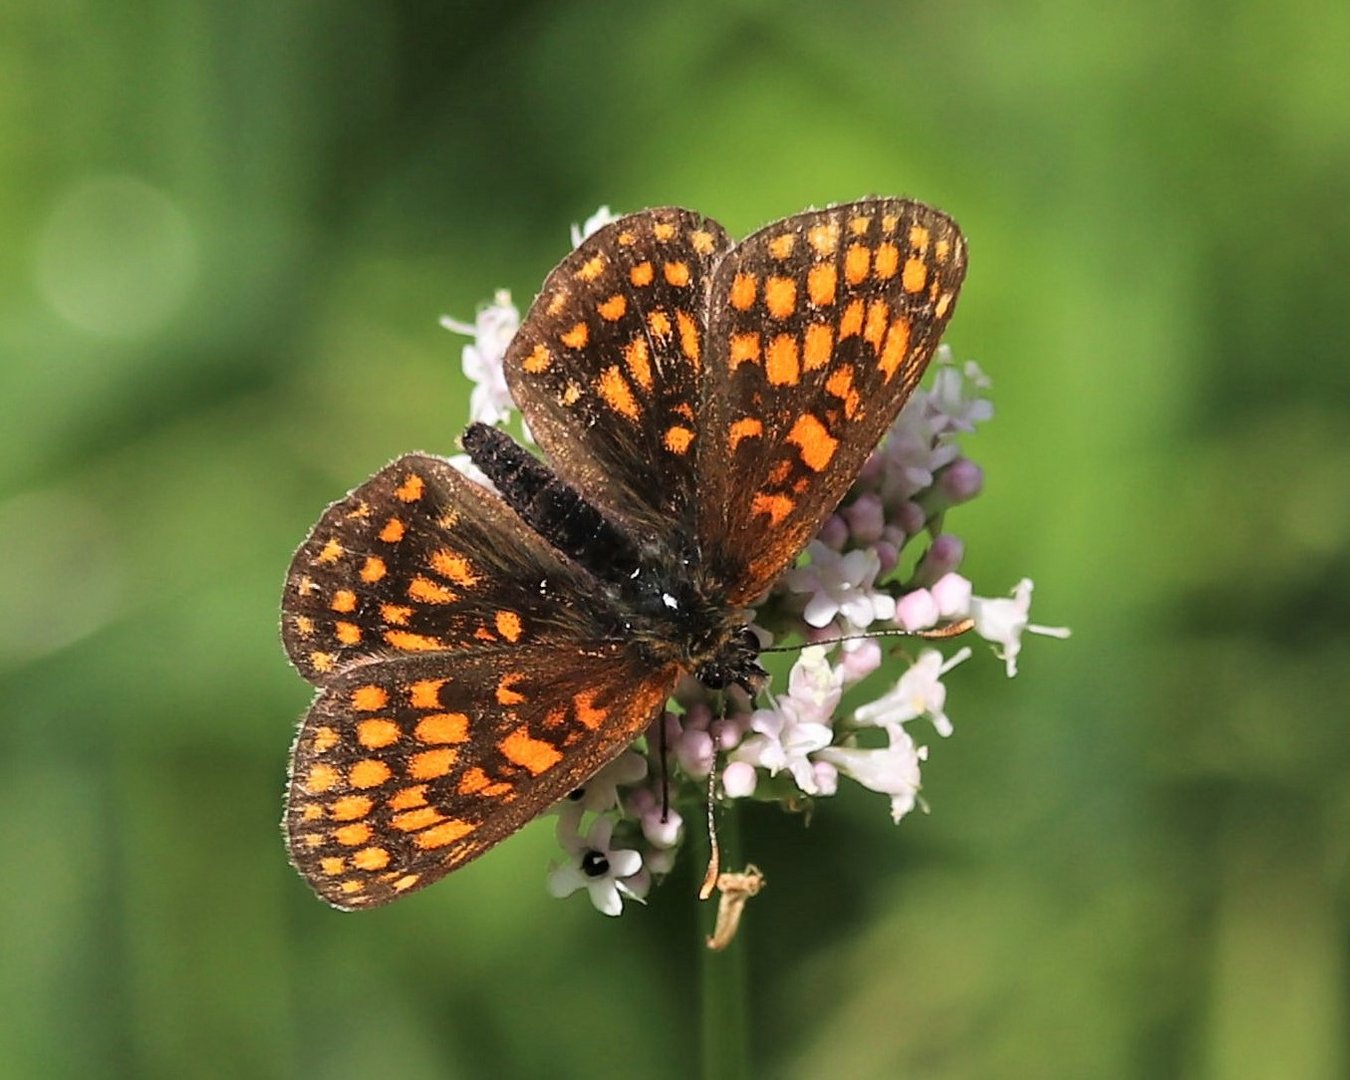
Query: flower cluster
{"x":882,"y":561}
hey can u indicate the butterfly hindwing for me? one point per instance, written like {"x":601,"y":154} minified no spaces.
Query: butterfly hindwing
{"x":607,"y":365}
{"x":406,"y":768}
{"x":820,"y":327}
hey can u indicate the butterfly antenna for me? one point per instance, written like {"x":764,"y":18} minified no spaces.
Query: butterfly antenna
{"x":938,"y":633}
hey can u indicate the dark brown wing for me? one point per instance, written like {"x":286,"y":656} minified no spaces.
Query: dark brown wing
{"x":407,"y":768}
{"x":820,"y":327}
{"x":608,"y":364}
{"x":420,"y":559}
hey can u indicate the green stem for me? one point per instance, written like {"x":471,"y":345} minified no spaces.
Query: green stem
{"x":724,"y":976}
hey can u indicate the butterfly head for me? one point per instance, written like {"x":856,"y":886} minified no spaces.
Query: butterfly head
{"x":735,"y":663}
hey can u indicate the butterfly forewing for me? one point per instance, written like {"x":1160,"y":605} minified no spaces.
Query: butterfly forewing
{"x":421,"y":559}
{"x":607,"y":366}
{"x":820,"y":327}
{"x":407,"y":768}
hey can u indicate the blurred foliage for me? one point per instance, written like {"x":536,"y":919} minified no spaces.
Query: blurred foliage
{"x":228,"y":232}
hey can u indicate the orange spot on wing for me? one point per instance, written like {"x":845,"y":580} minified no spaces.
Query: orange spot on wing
{"x":840,"y":384}
{"x":613,"y":308}
{"x":351,"y":835}
{"x":533,"y":755}
{"x":347,"y":633}
{"x":321,"y":661}
{"x":368,"y":773}
{"x":852,"y":321}
{"x":858,"y":225}
{"x":915,"y":275}
{"x":887,"y":261}
{"x":430,"y":764}
{"x":613,"y":388}
{"x":677,"y":274}
{"x":663,"y":230}
{"x":688,"y":336}
{"x":819,"y":345}
{"x":638,"y":359}
{"x":816,"y":444}
{"x":373,"y":569}
{"x":778,"y":507}
{"x":592,"y":268}
{"x":821,"y":281}
{"x":426,"y":693}
{"x":577,"y":337}
{"x":406,"y":641}
{"x":780,"y":363}
{"x":780,"y":296}
{"x":641,"y":274}
{"x":878,"y":311}
{"x":353,"y":886}
{"x":944,"y":302}
{"x":506,"y":692}
{"x":376,"y":732}
{"x":702,"y":241}
{"x":427,"y":591}
{"x":333,"y":865}
{"x":371,"y":858}
{"x":324,"y":739}
{"x":406,"y":882}
{"x":445,"y":833}
{"x":857,"y":260}
{"x":411,"y":489}
{"x":304,"y":624}
{"x":369,"y":698}
{"x":780,"y":247}
{"x":941,"y":250}
{"x":330,"y":553}
{"x":590,"y":716}
{"x":344,"y":600}
{"x":538,"y":360}
{"x":897,"y":344}
{"x":889,"y":222}
{"x":351,"y":807}
{"x":746,"y":428}
{"x":473,"y":781}
{"x":393,"y":531}
{"x":658,"y":322}
{"x":744,"y":349}
{"x":420,"y":818}
{"x":320,"y":778}
{"x":824,"y":238}
{"x":677,"y":439}
{"x":918,"y":237}
{"x":446,"y":727}
{"x":509,"y":625}
{"x":408,"y":797}
{"x":454,"y":566}
{"x":743,"y":288}
{"x":395,"y":614}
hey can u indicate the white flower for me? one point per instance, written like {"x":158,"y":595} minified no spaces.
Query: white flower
{"x":919,"y":692}
{"x":955,"y":398}
{"x":594,"y":866}
{"x":592,"y":224}
{"x":739,"y":779}
{"x":492,"y":330}
{"x":601,"y":791}
{"x":840,"y":585}
{"x":783,"y":738}
{"x":892,"y":770}
{"x":1003,"y":622}
{"x":814,"y":685}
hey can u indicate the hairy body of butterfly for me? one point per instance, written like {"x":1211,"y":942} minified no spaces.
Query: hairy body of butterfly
{"x":702,"y":406}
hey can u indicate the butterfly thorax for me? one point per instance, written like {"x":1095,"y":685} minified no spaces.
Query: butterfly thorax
{"x":656,"y":601}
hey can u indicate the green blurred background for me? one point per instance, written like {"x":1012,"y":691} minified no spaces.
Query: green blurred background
{"x":228,"y":232}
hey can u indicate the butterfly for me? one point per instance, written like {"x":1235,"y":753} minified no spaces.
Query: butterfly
{"x":702,"y":407}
